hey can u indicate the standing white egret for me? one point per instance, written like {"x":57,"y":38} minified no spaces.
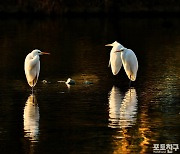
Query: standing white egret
{"x":130,"y":62}
{"x":32,"y":67}
{"x":115,"y":57}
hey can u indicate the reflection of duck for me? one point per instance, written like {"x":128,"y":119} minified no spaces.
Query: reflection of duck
{"x":31,"y":118}
{"x":122,"y":111}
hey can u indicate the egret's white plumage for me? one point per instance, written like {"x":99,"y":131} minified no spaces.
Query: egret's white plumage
{"x":130,"y":63}
{"x":32,"y":66}
{"x":120,"y":55}
{"x":115,"y":59}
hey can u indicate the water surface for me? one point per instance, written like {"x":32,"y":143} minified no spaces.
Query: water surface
{"x":107,"y":116}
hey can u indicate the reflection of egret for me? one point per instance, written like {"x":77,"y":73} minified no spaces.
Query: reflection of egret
{"x":128,"y":108}
{"x":32,"y":66}
{"x":115,"y":99}
{"x":31,"y":118}
{"x":122,"y":111}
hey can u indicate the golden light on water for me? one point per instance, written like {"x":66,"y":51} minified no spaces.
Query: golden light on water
{"x":122,"y":116}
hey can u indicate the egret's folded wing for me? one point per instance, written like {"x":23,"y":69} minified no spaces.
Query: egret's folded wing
{"x":116,"y":63}
{"x":32,"y":68}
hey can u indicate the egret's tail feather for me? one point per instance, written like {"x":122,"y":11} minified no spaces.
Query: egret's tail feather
{"x":132,"y":77}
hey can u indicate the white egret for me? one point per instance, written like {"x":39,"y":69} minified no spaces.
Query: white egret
{"x":126,"y":57}
{"x":115,"y":57}
{"x":32,"y":67}
{"x":130,"y":62}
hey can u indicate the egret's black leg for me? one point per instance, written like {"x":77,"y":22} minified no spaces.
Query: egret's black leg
{"x":130,"y":82}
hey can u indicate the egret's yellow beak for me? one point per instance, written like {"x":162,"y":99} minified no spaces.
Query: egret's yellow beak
{"x":45,"y":53}
{"x":109,"y":45}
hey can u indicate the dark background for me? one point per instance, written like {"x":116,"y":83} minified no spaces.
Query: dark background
{"x":69,"y":7}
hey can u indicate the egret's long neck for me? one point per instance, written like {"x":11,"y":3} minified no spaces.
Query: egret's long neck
{"x":34,"y":55}
{"x":116,"y":47}
{"x":31,"y":56}
{"x":119,"y":47}
{"x":33,"y":61}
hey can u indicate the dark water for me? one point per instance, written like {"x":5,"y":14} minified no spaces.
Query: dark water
{"x":104,"y":117}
